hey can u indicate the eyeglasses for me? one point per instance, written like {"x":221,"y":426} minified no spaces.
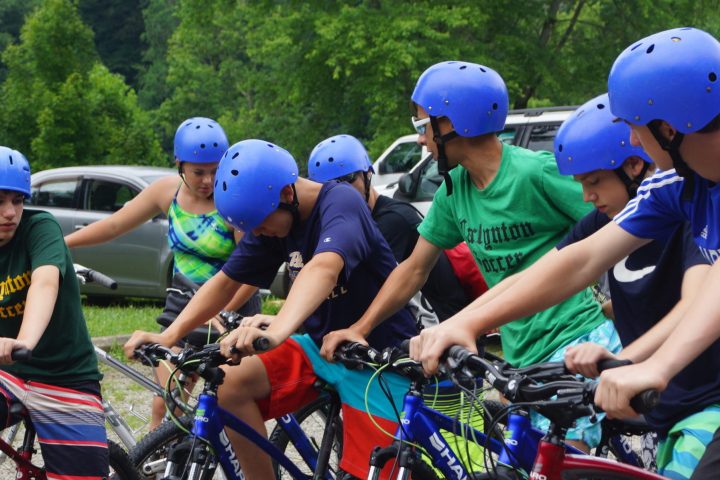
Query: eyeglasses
{"x":349,"y":178}
{"x":420,"y":124}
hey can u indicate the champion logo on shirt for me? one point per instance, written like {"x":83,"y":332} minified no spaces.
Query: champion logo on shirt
{"x":704,"y":232}
{"x":327,"y":239}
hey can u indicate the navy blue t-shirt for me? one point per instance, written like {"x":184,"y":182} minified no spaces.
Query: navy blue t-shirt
{"x":644,"y":287}
{"x":340,"y":222}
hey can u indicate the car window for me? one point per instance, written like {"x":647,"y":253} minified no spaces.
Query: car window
{"x":106,"y":196}
{"x":508,"y":135}
{"x":542,"y":137}
{"x":58,"y":194}
{"x":402,"y":158}
{"x":430,"y":181}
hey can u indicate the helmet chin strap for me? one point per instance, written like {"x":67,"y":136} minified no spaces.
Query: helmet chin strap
{"x":292,"y":207}
{"x":440,"y":141}
{"x":632,"y":184}
{"x":367,"y":178}
{"x":682,"y":168}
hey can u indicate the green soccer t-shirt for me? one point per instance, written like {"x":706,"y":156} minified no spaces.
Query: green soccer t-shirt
{"x":522,"y":214}
{"x":64,"y":354}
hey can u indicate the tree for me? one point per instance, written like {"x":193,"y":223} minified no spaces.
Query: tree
{"x":60,"y":106}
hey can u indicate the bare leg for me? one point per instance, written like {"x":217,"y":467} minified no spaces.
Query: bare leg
{"x":244,"y":384}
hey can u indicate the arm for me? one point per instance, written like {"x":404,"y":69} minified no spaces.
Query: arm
{"x":313,"y":285}
{"x":137,"y":211}
{"x":698,"y":328}
{"x":548,"y":281}
{"x":205,"y":304}
{"x":645,"y":346}
{"x":39,"y":306}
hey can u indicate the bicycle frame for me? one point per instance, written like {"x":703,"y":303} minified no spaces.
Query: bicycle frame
{"x":422,"y":426}
{"x":25,"y":468}
{"x":208,"y":426}
{"x":553,"y":462}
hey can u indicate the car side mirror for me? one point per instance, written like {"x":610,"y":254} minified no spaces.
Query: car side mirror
{"x":408,"y":185}
{"x":382,"y":168}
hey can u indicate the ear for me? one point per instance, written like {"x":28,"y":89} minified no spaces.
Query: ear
{"x":667,"y":130}
{"x":286,"y":194}
{"x":633,"y":166}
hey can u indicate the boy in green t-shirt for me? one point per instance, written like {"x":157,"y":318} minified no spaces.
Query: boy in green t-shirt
{"x":40,"y":310}
{"x":509,"y":204}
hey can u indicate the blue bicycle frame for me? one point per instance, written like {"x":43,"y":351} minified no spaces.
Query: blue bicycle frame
{"x":209,"y":423}
{"x":421,"y":425}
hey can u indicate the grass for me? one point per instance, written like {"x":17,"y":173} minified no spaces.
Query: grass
{"x":134,"y":314}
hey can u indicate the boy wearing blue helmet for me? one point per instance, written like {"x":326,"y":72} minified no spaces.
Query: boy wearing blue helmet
{"x":337,"y":260}
{"x":645,"y":286}
{"x":509,"y":204}
{"x":40,"y":310}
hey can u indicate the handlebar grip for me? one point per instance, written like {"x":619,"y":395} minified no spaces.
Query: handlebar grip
{"x":261,"y":344}
{"x":645,"y":401}
{"x":21,"y":354}
{"x":609,"y":363}
{"x":405,"y":345}
{"x":101,"y":279}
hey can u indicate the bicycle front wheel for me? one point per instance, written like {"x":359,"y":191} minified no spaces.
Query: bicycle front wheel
{"x":150,"y":455}
{"x":121,"y":467}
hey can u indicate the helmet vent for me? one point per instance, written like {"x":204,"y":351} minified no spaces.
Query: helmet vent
{"x":636,"y":46}
{"x":317,"y":164}
{"x":209,"y":125}
{"x":463,"y":67}
{"x":332,"y":141}
{"x":202,"y":145}
{"x":600,"y":106}
{"x":495,"y":106}
{"x":712,"y":76}
{"x":236,"y":155}
{"x":197,"y":127}
{"x":234,"y":173}
{"x":215,"y":144}
{"x":650,"y":48}
{"x":482,"y":69}
{"x":331,"y":159}
{"x":11,"y":160}
{"x":224,"y":187}
{"x":560,"y":148}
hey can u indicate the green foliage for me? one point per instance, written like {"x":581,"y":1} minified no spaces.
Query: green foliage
{"x":61,"y":106}
{"x":121,"y":319}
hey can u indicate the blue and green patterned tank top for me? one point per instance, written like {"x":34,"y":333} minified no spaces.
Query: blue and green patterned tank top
{"x":200,"y":242}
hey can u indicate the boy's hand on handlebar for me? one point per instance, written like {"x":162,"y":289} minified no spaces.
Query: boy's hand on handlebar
{"x":139,"y":338}
{"x":257,"y":321}
{"x":239,"y":342}
{"x":618,"y":385}
{"x":333,"y":340}
{"x":7,"y":345}
{"x":432,"y":343}
{"x":583,"y":359}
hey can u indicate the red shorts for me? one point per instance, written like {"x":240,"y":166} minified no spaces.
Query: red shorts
{"x":292,"y":379}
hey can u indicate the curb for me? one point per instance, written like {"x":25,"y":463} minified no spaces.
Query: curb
{"x":106,"y":342}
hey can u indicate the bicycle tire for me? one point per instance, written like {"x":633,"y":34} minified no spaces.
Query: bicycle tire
{"x":311,"y":417}
{"x":121,"y":467}
{"x":148,"y":456}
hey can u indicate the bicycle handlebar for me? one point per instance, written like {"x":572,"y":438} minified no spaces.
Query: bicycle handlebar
{"x":21,"y":355}
{"x":89,"y":275}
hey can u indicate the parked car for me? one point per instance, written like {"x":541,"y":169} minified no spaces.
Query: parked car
{"x":140,"y":260}
{"x":532,"y":128}
{"x":399,"y":158}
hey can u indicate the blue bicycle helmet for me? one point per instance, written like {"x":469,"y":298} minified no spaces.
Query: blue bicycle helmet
{"x":337,"y":156}
{"x":14,"y":171}
{"x":200,"y":140}
{"x":472,"y":96}
{"x":670,"y":76}
{"x":248,"y":182}
{"x":593,"y":139}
